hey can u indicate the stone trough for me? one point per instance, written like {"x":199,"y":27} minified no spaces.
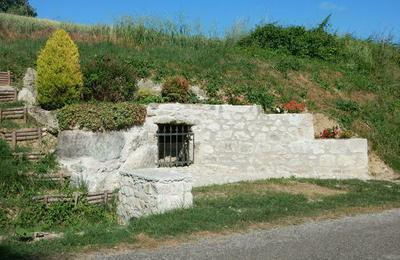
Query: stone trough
{"x":152,"y":191}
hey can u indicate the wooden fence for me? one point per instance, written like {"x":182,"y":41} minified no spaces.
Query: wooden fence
{"x":5,"y":78}
{"x":8,"y":95}
{"x":16,"y":136}
{"x":14,"y":113}
{"x":29,"y":156}
{"x":92,"y":198}
{"x":50,"y":177}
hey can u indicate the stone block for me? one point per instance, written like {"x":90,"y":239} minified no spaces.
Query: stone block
{"x":152,"y":191}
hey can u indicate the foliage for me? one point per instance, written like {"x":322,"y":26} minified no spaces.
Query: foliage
{"x":3,"y":219}
{"x":11,"y":182}
{"x":261,"y":97}
{"x":101,"y":116}
{"x":176,"y":89}
{"x":329,"y":133}
{"x":366,"y":71}
{"x":19,"y":7}
{"x":147,"y":96}
{"x":59,"y":77}
{"x":105,"y":79}
{"x":295,"y":40}
{"x":336,"y":132}
{"x":241,"y":206}
{"x":294,"y":107}
{"x":63,"y":214}
{"x":347,"y":105}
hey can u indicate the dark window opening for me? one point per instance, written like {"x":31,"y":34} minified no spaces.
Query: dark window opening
{"x":175,"y":145}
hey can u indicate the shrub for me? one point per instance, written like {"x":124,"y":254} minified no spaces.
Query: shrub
{"x":101,"y":116}
{"x":347,"y":105}
{"x":260,"y":97}
{"x":3,"y":218}
{"x":147,"y":96}
{"x":106,"y":79}
{"x":295,"y":40}
{"x":345,"y":134}
{"x":294,"y":107}
{"x":176,"y":89}
{"x":59,"y":77}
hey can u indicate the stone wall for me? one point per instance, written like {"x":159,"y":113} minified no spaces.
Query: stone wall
{"x":152,"y":191}
{"x":233,"y":143}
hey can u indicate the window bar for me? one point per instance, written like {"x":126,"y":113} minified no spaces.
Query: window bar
{"x":170,"y":145}
{"x":193,"y":149}
{"x":176,"y":146}
{"x":163,"y":133}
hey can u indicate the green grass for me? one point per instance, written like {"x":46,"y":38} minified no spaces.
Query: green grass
{"x":235,"y":71}
{"x":241,"y":205}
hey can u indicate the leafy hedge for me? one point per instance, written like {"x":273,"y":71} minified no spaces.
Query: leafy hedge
{"x":295,"y":40}
{"x":109,"y":80}
{"x":101,"y":116}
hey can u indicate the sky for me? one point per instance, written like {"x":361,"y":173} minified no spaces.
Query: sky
{"x":362,"y":18}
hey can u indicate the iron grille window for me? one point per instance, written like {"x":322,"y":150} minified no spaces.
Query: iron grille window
{"x":175,"y":145}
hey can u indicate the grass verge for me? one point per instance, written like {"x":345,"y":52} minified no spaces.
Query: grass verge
{"x":223,"y":208}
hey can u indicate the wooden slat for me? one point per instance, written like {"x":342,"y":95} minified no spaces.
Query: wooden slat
{"x":22,"y":138}
{"x":99,"y":198}
{"x":14,"y":109}
{"x":22,"y":134}
{"x":14,"y":116}
{"x":5,"y":112}
{"x":24,"y":130}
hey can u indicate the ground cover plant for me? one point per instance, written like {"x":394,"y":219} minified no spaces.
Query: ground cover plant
{"x":101,"y":116}
{"x":356,"y":82}
{"x":222,"y":208}
{"x":20,"y":216}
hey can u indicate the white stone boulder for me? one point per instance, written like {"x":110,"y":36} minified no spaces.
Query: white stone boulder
{"x":28,"y":93}
{"x":152,"y":191}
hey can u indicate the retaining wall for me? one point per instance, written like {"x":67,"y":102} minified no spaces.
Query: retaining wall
{"x":232,"y":143}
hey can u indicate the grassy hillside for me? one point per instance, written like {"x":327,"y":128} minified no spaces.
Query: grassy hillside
{"x":356,"y":81}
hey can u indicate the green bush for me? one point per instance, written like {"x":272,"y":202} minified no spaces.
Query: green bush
{"x":3,"y":218}
{"x":106,"y":79}
{"x":19,"y":7}
{"x":261,"y":97}
{"x":295,"y":40}
{"x":147,"y":96}
{"x":176,"y":89}
{"x":347,"y":105}
{"x":11,"y":182}
{"x":101,"y":116}
{"x":59,"y":77}
{"x":63,"y":214}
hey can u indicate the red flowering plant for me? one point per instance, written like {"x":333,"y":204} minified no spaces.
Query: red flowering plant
{"x":294,"y":107}
{"x":333,"y":132}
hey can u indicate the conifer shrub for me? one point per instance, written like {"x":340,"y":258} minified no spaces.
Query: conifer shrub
{"x":59,"y":79}
{"x":176,"y":89}
{"x":107,"y":79}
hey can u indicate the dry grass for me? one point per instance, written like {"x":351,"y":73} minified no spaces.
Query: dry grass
{"x":310,"y":191}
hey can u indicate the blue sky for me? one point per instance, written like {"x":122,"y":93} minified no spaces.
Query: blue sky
{"x":359,"y":17}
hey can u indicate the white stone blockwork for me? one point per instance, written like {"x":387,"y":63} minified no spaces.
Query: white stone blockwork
{"x":152,"y":191}
{"x":232,"y":143}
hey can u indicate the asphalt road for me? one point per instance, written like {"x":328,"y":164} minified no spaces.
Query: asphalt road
{"x":369,"y":236}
